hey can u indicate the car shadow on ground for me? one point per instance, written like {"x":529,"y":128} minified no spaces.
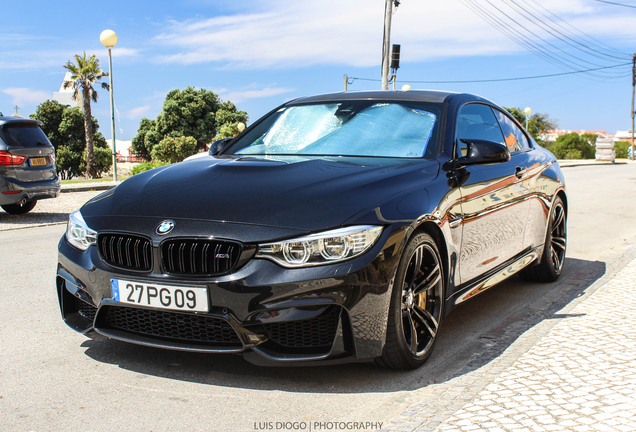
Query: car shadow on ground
{"x":474,"y":334}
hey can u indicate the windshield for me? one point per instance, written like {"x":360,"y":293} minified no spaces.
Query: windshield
{"x":351,"y":128}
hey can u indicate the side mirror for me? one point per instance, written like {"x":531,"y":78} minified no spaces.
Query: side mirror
{"x":219,"y":145}
{"x":483,"y":152}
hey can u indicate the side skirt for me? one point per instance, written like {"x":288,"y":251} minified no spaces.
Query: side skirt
{"x":493,"y":277}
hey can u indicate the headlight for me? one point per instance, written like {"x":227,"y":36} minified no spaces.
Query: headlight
{"x":322,"y":248}
{"x":78,"y":233}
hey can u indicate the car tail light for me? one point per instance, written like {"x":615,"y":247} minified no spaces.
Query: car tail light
{"x":7,"y":158}
{"x":53,"y":158}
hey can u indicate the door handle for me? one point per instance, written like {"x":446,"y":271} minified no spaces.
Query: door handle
{"x":520,"y":172}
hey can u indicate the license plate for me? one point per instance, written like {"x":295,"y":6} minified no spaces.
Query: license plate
{"x":38,"y":161}
{"x":179,"y":298}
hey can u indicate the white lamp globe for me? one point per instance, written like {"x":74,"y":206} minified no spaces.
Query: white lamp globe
{"x":528,"y":110}
{"x":406,"y":87}
{"x":108,"y":38}
{"x":240,"y":127}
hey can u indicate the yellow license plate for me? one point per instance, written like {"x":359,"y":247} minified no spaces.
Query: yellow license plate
{"x":38,"y":161}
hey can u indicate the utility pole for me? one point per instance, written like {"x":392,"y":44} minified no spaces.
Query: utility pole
{"x":386,"y":43}
{"x":633,"y":91}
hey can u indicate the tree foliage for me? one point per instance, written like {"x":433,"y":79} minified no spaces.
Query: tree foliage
{"x":84,"y":73}
{"x":621,"y":148}
{"x":50,"y":114}
{"x":65,"y":129}
{"x":538,"y":123}
{"x":174,"y":149}
{"x":196,"y":113}
{"x":574,"y":146}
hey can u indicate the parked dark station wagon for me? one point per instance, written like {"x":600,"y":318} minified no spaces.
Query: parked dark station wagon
{"x":337,"y":228}
{"x":27,"y":165}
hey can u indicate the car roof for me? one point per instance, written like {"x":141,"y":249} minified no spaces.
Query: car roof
{"x":434,"y":96}
{"x":8,"y":119}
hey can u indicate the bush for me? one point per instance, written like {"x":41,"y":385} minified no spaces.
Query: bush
{"x":573,"y":146}
{"x":145,"y":166}
{"x":174,"y":149}
{"x":620,"y":147}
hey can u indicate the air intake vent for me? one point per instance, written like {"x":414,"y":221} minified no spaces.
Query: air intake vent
{"x":314,"y":332}
{"x":125,"y":251}
{"x":199,"y":257}
{"x":173,"y":325}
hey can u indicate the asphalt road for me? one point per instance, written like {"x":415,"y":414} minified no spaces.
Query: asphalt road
{"x":52,"y":378}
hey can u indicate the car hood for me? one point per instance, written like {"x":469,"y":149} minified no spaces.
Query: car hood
{"x":304,"y":193}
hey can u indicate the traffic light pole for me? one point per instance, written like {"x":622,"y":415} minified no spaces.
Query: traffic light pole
{"x":386,"y":44}
{"x":633,"y":91}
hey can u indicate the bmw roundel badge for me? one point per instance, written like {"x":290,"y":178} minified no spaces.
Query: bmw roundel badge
{"x":165,"y":227}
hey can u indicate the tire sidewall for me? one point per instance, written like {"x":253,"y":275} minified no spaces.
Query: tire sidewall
{"x":395,"y":313}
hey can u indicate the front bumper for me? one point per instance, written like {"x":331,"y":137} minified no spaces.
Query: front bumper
{"x":13,"y":191}
{"x":270,"y":314}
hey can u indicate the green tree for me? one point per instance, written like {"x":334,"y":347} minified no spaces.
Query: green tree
{"x":538,"y":123}
{"x":73,"y":130}
{"x":50,"y":114}
{"x":590,"y":139}
{"x":620,"y":147}
{"x":84,"y":73}
{"x":65,"y":129}
{"x":174,"y":149}
{"x":517,"y":114}
{"x":147,"y":137}
{"x":573,"y":146}
{"x":191,"y":112}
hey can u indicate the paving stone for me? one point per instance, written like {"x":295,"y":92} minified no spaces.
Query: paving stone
{"x":574,"y":370}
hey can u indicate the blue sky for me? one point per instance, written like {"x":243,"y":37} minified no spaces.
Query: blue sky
{"x":259,"y":54}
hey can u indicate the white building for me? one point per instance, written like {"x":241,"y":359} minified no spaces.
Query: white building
{"x":65,"y":95}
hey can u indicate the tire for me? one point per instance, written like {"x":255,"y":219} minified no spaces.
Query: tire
{"x":551,"y":264}
{"x":20,"y":208}
{"x":417,"y":302}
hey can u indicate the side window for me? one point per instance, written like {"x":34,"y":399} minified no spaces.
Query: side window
{"x":514,"y":138}
{"x":476,"y":121}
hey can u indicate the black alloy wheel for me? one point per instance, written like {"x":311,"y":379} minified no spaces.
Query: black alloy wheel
{"x":551,"y":264}
{"x":416,"y":306}
{"x":19,"y":208}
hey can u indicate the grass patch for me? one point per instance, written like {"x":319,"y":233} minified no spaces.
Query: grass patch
{"x":105,"y":179}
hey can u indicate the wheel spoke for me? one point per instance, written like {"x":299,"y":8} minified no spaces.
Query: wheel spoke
{"x":429,"y":281}
{"x":416,"y":261}
{"x":560,"y":242}
{"x":555,"y":258}
{"x":413,"y":334}
{"x":427,"y":320}
{"x":558,"y":219}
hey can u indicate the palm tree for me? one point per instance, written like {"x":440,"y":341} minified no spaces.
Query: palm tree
{"x":84,"y":73}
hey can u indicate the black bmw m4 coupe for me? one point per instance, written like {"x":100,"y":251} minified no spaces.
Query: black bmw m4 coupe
{"x":337,"y":228}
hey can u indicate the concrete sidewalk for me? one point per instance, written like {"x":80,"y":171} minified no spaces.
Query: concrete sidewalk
{"x":573,"y":371}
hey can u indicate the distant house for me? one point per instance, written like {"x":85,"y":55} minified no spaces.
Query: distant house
{"x":553,"y":134}
{"x":625,"y":135}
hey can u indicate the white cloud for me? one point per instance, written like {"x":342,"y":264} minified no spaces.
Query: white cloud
{"x":138,"y":112}
{"x":241,"y":95}
{"x":292,"y":33}
{"x":125,"y":52}
{"x":27,"y":96}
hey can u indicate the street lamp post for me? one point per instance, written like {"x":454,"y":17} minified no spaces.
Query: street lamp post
{"x":527,"y":111}
{"x":108,"y":38}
